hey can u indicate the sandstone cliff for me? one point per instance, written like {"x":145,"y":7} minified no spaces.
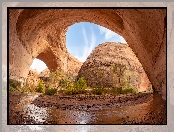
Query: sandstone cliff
{"x":97,"y":69}
{"x":73,"y":67}
{"x":32,"y":78}
{"x":30,"y":31}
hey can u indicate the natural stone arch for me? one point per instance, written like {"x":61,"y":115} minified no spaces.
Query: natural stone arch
{"x":48,"y":57}
{"x":144,"y":30}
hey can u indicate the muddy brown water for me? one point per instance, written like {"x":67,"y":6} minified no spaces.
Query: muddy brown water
{"x":25,"y":112}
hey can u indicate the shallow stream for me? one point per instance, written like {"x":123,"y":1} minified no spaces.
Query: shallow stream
{"x":33,"y":114}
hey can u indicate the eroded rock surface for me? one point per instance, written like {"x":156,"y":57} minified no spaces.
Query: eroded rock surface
{"x":97,"y":69}
{"x":32,"y":78}
{"x":31,"y":31}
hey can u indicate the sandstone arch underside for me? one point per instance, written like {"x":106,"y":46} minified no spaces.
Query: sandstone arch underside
{"x":35,"y":32}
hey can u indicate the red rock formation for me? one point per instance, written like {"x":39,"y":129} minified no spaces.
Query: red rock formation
{"x":32,"y":30}
{"x":32,"y":78}
{"x":97,"y":69}
{"x":44,"y":73}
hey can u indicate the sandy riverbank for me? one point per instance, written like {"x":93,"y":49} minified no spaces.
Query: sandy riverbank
{"x":157,"y":115}
{"x":91,"y":102}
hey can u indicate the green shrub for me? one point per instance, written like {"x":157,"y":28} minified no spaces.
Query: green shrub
{"x":74,"y":91}
{"x":72,"y":88}
{"x":55,"y":78}
{"x":71,"y":91}
{"x":128,"y":90}
{"x":15,"y":84}
{"x":134,"y":91}
{"x":32,"y":88}
{"x":11,"y":89}
{"x":28,"y":88}
{"x":116,"y":91}
{"x":41,"y":87}
{"x":97,"y":91}
{"x":51,"y":91}
{"x":80,"y":85}
{"x":25,"y":88}
{"x":65,"y":83}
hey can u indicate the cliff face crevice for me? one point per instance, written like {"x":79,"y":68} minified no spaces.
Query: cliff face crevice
{"x":143,"y":30}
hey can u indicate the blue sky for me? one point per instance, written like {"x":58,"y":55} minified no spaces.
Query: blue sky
{"x":81,"y":39}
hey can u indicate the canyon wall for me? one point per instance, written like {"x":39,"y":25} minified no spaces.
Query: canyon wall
{"x":36,"y":31}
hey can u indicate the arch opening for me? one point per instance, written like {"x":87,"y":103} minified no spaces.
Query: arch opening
{"x":144,"y":31}
{"x":144,"y":36}
{"x":38,"y":65}
{"x":83,"y":37}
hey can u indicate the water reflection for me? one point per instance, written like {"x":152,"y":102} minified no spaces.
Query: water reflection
{"x":69,"y":116}
{"x":106,"y":116}
{"x":52,"y":115}
{"x":38,"y":114}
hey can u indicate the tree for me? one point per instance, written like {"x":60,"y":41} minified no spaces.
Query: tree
{"x":55,"y":78}
{"x":118,"y":71}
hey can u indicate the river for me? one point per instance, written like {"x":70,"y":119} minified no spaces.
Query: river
{"x":144,"y":113}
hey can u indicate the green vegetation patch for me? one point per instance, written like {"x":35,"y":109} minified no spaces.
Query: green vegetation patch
{"x":116,"y":91}
{"x":41,"y":87}
{"x":129,"y":90}
{"x":51,"y":91}
{"x":14,"y":83}
{"x":77,"y":87}
{"x":97,"y":91}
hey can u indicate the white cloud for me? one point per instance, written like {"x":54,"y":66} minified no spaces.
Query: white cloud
{"x":88,"y":46}
{"x":111,"y":35}
{"x":93,"y":41}
{"x":108,"y":33}
{"x":38,"y":65}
